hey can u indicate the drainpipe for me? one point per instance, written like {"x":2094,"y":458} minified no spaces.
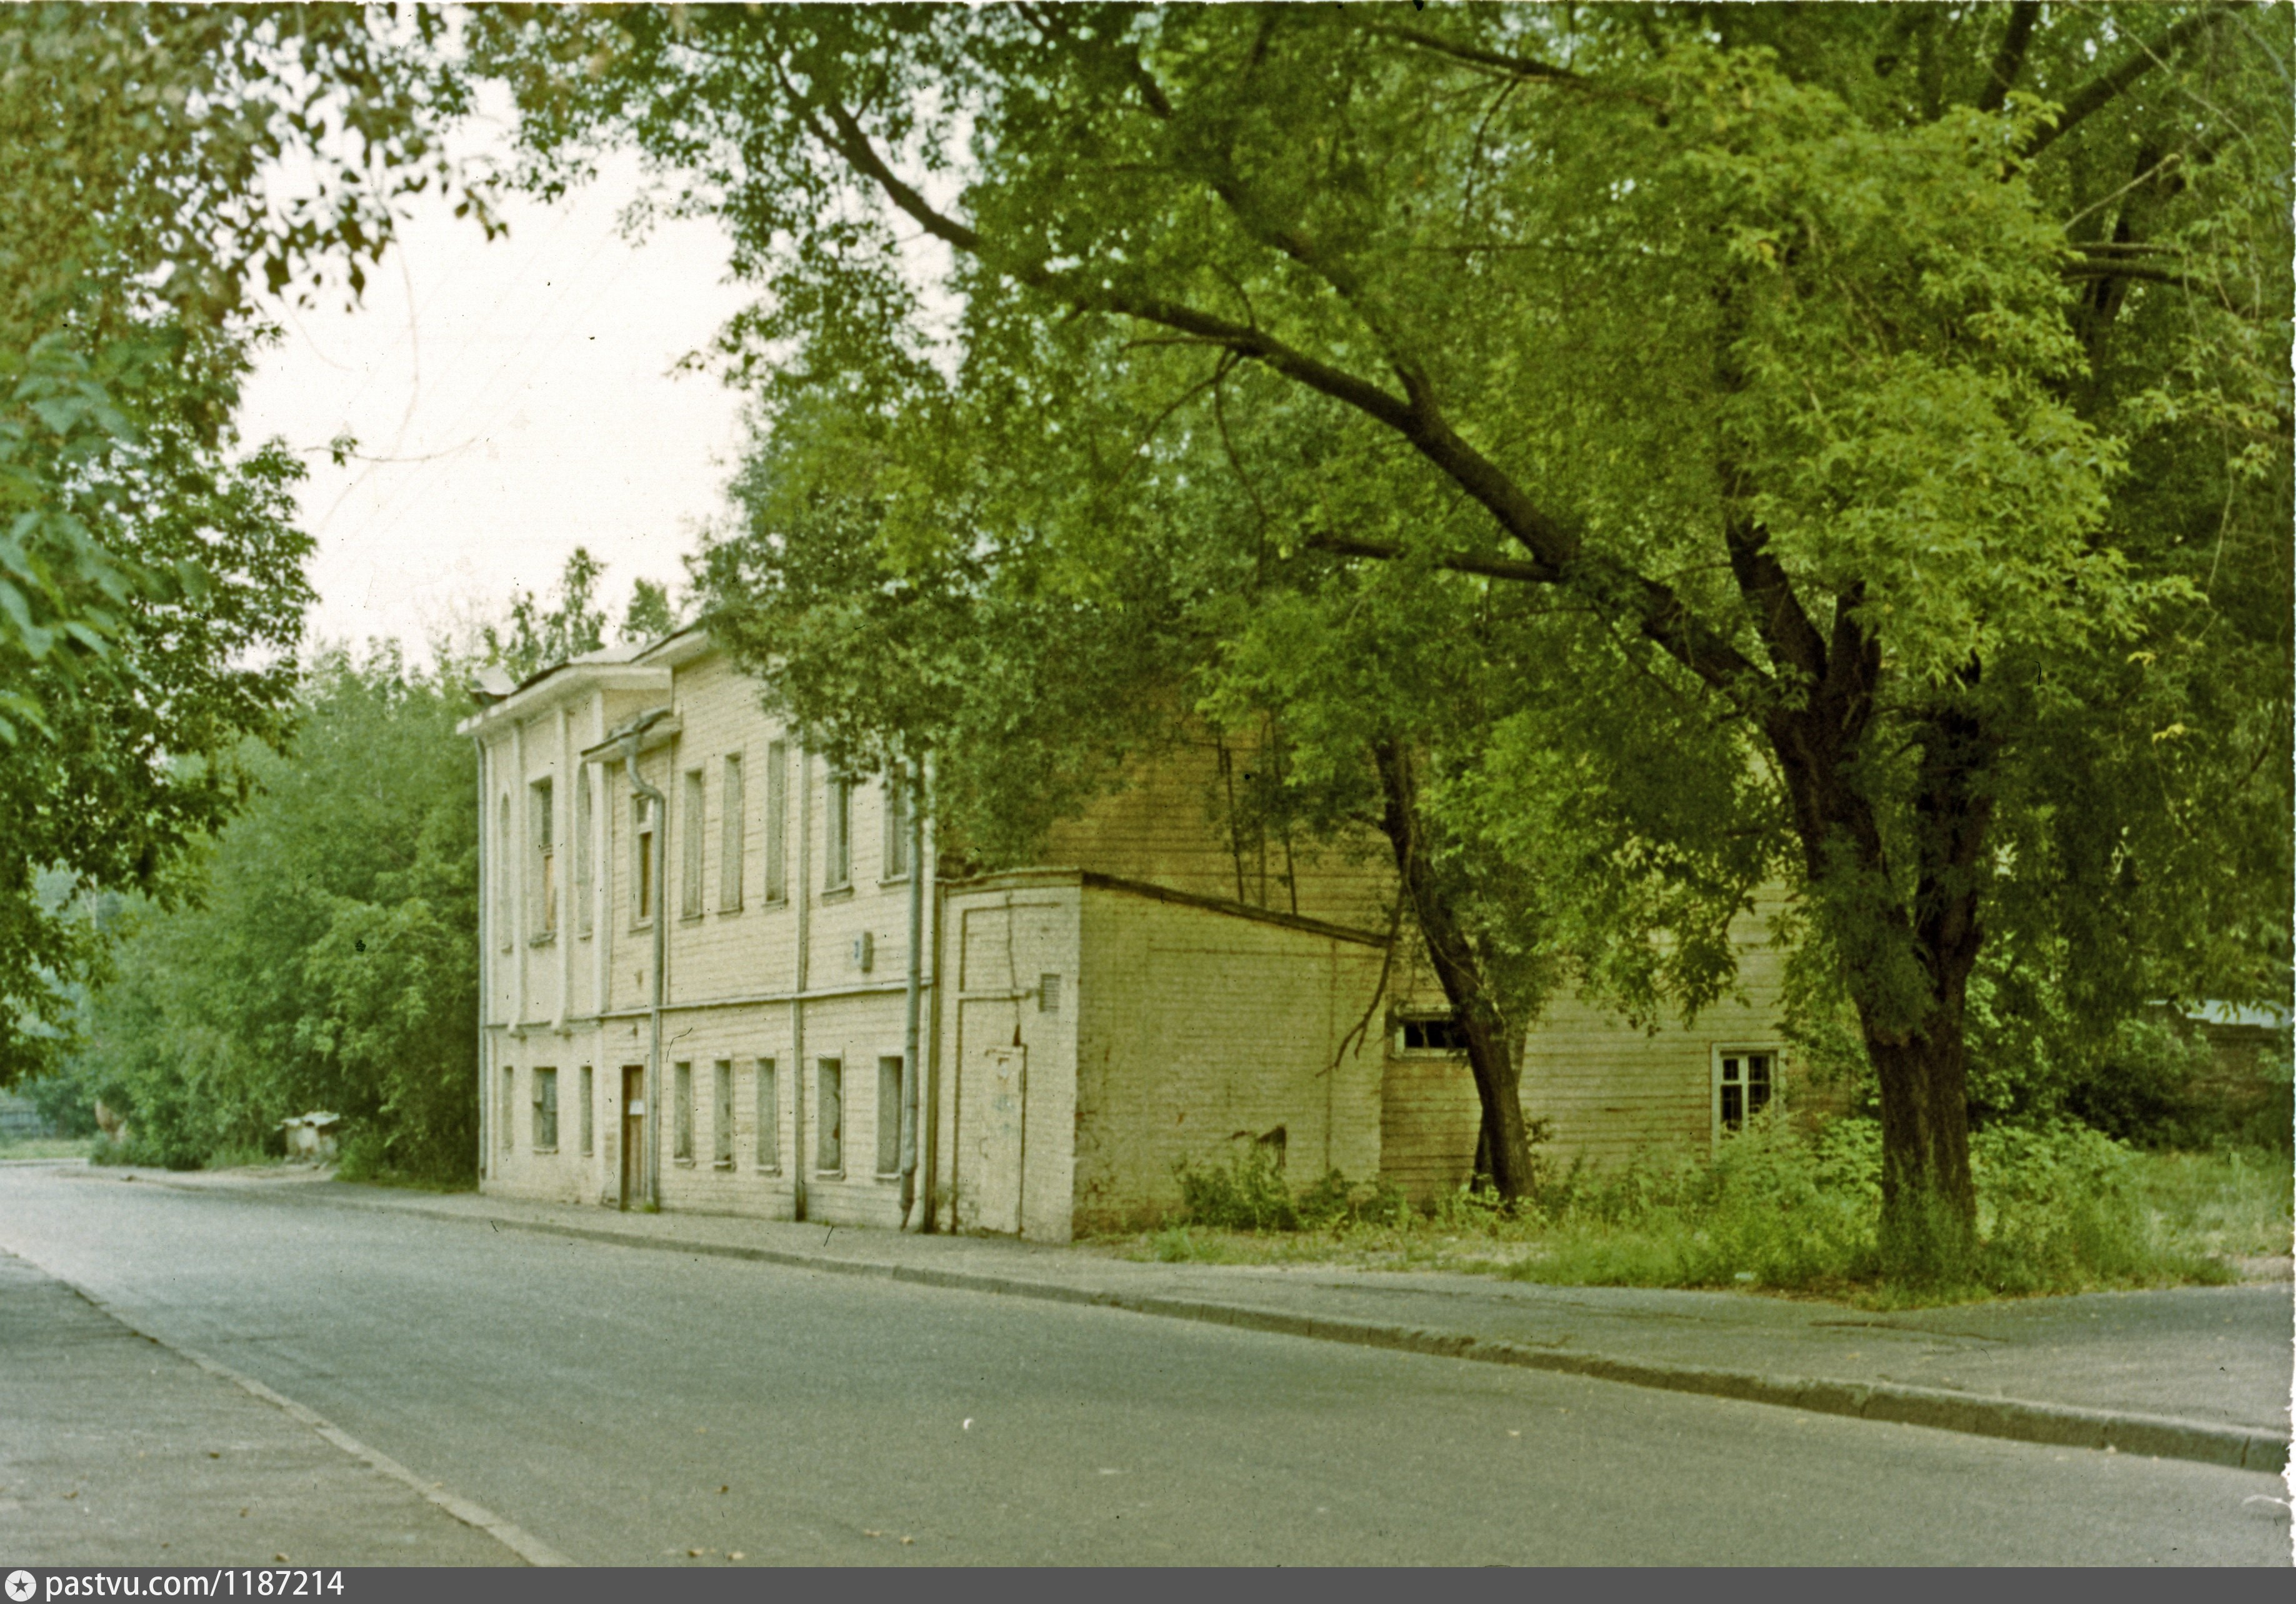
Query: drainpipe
{"x":804,"y":894}
{"x":485,"y":953}
{"x":631,"y":734}
{"x":911,"y":1063}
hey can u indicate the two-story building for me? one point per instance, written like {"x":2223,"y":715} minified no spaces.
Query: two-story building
{"x":717,"y":976}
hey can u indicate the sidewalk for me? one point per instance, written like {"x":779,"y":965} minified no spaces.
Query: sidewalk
{"x":2197,"y":1372}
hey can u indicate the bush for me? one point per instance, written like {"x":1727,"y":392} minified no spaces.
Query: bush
{"x":1250,"y":1194}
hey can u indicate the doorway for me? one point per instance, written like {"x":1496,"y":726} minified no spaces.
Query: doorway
{"x":633,"y":1135}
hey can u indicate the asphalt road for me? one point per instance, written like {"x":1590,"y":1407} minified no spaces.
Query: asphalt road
{"x":637,"y":1406}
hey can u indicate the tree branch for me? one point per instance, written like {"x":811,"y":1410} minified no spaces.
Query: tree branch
{"x":2011,"y":58}
{"x":2101,"y":91}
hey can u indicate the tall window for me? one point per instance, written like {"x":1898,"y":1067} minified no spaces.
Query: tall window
{"x":508,"y":1138}
{"x":889,"y":1116}
{"x":839,"y":871}
{"x":506,"y":871}
{"x":642,"y":870}
{"x":769,"y":1116}
{"x":586,"y":863}
{"x":721,"y":1116}
{"x":1742,"y":1085}
{"x":735,"y":842}
{"x":829,"y":1116}
{"x":897,"y":824}
{"x":546,"y":1110}
{"x":776,"y":821}
{"x":682,"y":1111}
{"x":545,"y":860}
{"x":689,"y":857}
{"x":589,"y":1111}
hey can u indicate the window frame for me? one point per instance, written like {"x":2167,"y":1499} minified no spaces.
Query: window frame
{"x":508,"y":1137}
{"x":722,"y":1132}
{"x":1401,"y":1019}
{"x":766,"y":1090}
{"x":776,"y":876}
{"x":587,"y":1080}
{"x":829,"y":1116}
{"x":889,"y":1116}
{"x":586,"y":853}
{"x":893,"y":861}
{"x":644,"y":892}
{"x":681,"y":1130}
{"x":837,"y":835}
{"x":543,"y":1098}
{"x":542,"y":802}
{"x":734,"y":830}
{"x":1723,"y":1052}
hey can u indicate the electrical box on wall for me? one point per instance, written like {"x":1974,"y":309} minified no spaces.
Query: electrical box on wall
{"x":864,"y":951}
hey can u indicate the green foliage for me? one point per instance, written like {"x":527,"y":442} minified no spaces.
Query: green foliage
{"x":537,"y":637}
{"x":151,"y":583}
{"x":1250,"y":1193}
{"x":329,"y":961}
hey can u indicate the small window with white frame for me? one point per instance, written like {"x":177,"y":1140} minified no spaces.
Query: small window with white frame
{"x":1745,"y":1083}
{"x":1428,"y":1033}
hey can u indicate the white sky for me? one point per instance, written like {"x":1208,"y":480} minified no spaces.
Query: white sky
{"x":525,"y":388}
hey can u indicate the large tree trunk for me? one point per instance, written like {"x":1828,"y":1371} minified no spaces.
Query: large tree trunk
{"x":1503,"y":1152}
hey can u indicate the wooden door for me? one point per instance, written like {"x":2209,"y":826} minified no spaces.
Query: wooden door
{"x":992,"y":1101}
{"x":633,"y":1135}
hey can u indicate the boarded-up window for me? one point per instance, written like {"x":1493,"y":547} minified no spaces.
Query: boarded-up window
{"x":829,"y":1116}
{"x":546,"y":1110}
{"x":509,"y":1107}
{"x":689,"y":891}
{"x":776,"y":821}
{"x":897,"y":825}
{"x":589,"y":1110}
{"x":585,"y":861}
{"x":730,"y":850}
{"x":681,"y":1080}
{"x":769,"y":1116}
{"x":889,"y":1116}
{"x":721,"y":1116}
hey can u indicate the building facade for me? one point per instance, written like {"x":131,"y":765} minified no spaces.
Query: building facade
{"x":718,"y":976}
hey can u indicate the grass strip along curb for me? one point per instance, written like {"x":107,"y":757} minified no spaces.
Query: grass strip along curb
{"x":2058,"y":1425}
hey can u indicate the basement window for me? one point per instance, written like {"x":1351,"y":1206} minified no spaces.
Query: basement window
{"x":1428,"y":1031}
{"x":1745,"y":1078}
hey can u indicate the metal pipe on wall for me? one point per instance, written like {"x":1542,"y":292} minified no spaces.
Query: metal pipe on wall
{"x":659,"y":804}
{"x":911,"y":1063}
{"x":803,"y":884}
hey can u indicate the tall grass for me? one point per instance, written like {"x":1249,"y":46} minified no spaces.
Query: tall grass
{"x":2060,"y":1208}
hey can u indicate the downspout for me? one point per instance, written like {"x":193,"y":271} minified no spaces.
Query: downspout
{"x":911,"y":1063}
{"x":804,"y":894}
{"x":660,"y":805}
{"x":485,"y":953}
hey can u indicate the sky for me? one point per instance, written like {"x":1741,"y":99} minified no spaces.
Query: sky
{"x":519,"y":394}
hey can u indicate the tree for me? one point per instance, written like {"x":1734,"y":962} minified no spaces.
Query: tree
{"x":1883,"y":373}
{"x":535,"y":638}
{"x":327,"y":957}
{"x":151,"y":577}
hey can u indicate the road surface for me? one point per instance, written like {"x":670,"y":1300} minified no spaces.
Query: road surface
{"x":638,"y":1407}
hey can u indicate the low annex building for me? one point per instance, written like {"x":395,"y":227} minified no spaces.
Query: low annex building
{"x":715,"y":975}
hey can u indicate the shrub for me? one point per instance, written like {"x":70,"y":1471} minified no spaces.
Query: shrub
{"x":1250,"y":1194}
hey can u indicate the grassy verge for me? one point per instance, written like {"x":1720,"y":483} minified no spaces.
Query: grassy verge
{"x":45,"y":1147}
{"x":2062,"y":1209}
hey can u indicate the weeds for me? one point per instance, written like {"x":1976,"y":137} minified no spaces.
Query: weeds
{"x":2062,"y":1208}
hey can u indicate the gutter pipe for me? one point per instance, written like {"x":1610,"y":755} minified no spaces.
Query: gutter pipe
{"x":630,"y":735}
{"x":911,"y":1064}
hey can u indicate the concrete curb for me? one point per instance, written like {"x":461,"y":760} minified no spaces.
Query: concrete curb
{"x":2017,"y":1419}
